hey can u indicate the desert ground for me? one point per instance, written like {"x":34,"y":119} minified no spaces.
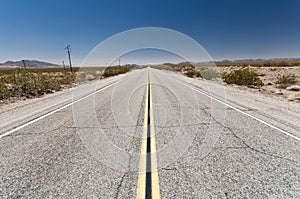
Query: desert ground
{"x":272,"y":86}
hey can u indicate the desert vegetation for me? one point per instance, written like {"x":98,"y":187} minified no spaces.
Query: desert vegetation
{"x":114,"y":70}
{"x":284,"y":81}
{"x":259,"y":63}
{"x":203,"y":71}
{"x":244,"y":76}
{"x":35,"y":82}
{"x":29,"y":84}
{"x":275,"y":78}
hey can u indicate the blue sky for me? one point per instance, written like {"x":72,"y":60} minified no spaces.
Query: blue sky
{"x":227,"y":29}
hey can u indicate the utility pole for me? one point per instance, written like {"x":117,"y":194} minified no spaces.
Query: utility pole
{"x":64,"y":65}
{"x":68,"y":49}
{"x":24,"y":64}
{"x":119,"y":62}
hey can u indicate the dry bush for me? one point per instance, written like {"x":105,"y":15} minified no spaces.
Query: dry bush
{"x":245,"y":77}
{"x":115,"y":70}
{"x":285,"y":81}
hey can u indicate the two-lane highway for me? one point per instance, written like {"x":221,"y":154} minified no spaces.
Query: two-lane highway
{"x":199,"y":139}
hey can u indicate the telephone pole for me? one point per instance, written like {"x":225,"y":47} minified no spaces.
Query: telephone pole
{"x":68,"y":49}
{"x":24,"y":64}
{"x":119,"y":62}
{"x":64,"y":65}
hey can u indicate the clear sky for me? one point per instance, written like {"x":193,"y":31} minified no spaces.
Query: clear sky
{"x":227,"y":29}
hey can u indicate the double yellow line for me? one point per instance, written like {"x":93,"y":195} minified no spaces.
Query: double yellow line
{"x":142,"y":185}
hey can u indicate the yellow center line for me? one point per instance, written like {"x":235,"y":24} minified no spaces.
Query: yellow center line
{"x":141,"y":186}
{"x":154,"y":174}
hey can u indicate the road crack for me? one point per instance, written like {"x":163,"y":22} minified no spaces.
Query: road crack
{"x":120,"y":185}
{"x":130,"y":148}
{"x":247,"y":146}
{"x":257,"y":150}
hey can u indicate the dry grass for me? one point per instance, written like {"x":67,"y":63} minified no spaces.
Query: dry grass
{"x":285,"y":81}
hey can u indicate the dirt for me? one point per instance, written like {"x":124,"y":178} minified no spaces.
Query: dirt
{"x":269,"y":76}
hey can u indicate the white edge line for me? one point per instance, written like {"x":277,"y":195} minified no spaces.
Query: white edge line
{"x":54,"y":111}
{"x":247,"y":114}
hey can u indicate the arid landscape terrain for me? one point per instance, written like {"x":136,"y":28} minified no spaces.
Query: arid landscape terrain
{"x":279,"y":82}
{"x":20,"y":83}
{"x":276,"y":79}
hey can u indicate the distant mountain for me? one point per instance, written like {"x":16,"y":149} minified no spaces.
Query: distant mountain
{"x":226,"y":61}
{"x":28,"y":63}
{"x":257,"y":60}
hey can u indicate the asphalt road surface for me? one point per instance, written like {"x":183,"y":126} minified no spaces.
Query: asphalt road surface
{"x":150,"y":134}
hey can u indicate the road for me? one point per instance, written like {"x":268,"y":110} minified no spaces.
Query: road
{"x":150,"y":133}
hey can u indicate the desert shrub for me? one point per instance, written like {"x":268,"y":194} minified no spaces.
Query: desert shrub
{"x":4,"y":91}
{"x":67,"y":79}
{"x":209,"y":74}
{"x":285,"y":80}
{"x":243,"y":77}
{"x":198,"y":74}
{"x":163,"y":67}
{"x":189,"y":74}
{"x":80,"y":77}
{"x":181,"y":67}
{"x":192,"y":74}
{"x":31,"y":84}
{"x":28,"y":84}
{"x":115,"y":70}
